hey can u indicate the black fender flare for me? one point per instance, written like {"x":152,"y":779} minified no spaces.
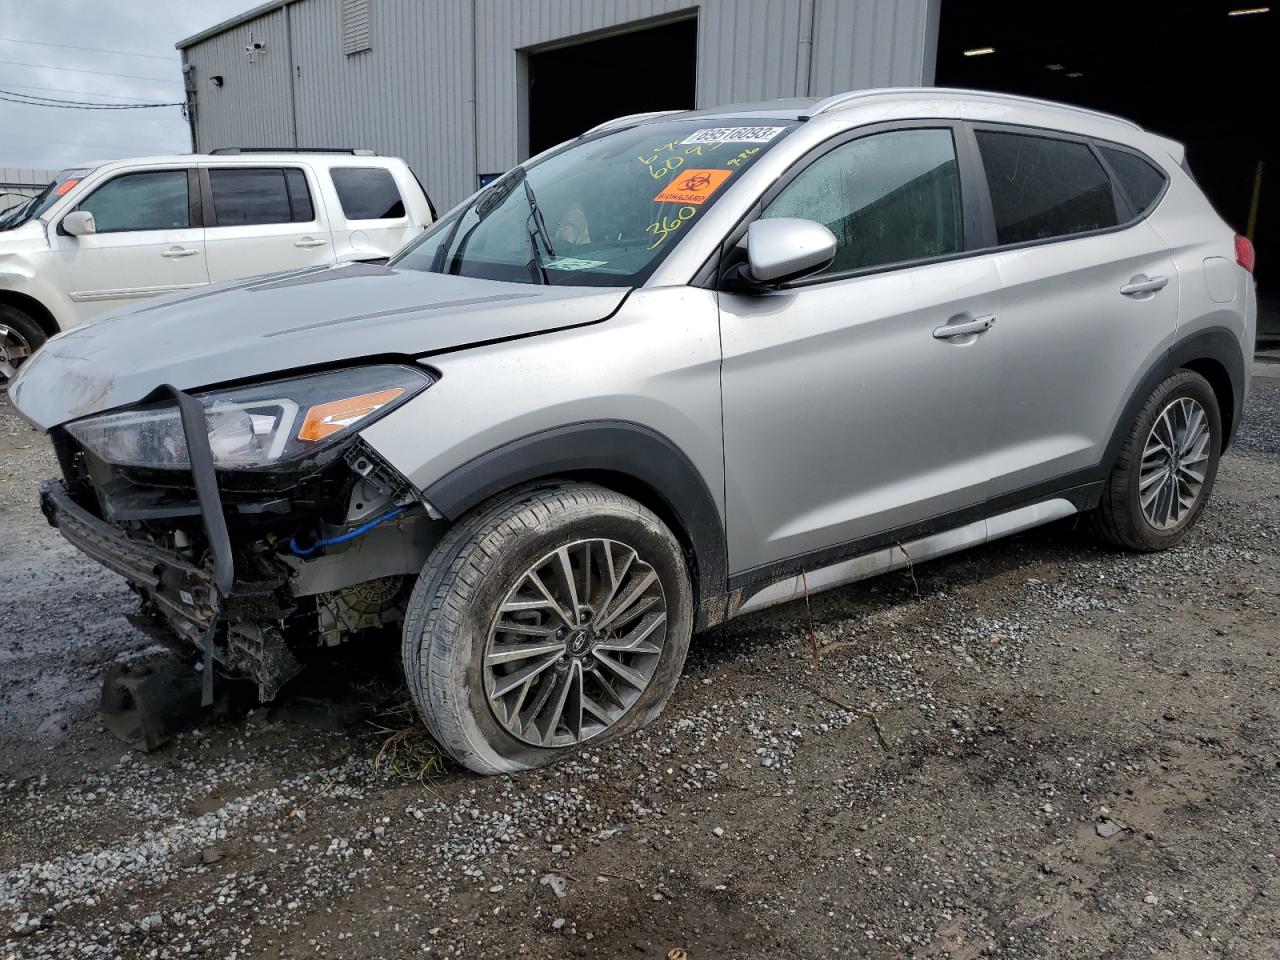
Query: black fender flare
{"x":1217,"y":344}
{"x":639,"y":461}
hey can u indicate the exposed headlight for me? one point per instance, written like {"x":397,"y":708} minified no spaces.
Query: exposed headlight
{"x":257,"y":425}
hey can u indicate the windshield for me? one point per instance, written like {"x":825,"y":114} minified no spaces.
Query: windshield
{"x":20,"y":213}
{"x":603,"y":211}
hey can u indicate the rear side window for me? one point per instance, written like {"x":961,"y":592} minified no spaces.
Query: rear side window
{"x":155,"y":200}
{"x":1140,"y":180}
{"x":367,"y":193}
{"x":889,"y":198}
{"x":254,"y":195}
{"x":1043,"y":188}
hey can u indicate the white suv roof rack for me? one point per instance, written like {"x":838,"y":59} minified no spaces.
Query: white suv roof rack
{"x":839,"y":100}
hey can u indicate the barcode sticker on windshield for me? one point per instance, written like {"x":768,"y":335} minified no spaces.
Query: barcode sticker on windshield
{"x":573,"y":263}
{"x":733,"y":135}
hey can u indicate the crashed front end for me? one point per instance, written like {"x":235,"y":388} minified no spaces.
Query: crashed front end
{"x":253,"y":522}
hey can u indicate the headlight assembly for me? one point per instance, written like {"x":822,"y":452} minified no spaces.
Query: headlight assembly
{"x":255,"y":426}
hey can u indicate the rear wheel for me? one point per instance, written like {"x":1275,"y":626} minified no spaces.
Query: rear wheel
{"x":1166,"y":468}
{"x":20,"y":335}
{"x":548,"y":619}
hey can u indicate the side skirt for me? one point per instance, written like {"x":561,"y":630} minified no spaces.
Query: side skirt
{"x":897,"y":556}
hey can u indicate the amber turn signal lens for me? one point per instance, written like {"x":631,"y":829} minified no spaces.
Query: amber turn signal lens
{"x":325,"y":419}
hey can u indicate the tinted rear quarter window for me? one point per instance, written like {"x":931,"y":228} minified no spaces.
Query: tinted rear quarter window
{"x":255,"y":195}
{"x":1139,"y":179}
{"x":1043,"y":187}
{"x":367,"y":193}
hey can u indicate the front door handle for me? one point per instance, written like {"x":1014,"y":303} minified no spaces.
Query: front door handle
{"x":309,"y":242}
{"x":963,"y":329}
{"x":174,"y":252}
{"x":1143,"y":284}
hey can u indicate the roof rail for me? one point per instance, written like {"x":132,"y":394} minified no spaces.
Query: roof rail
{"x":835,"y":102}
{"x":630,"y":118}
{"x":236,"y":151}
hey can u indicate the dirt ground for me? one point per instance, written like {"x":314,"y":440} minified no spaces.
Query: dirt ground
{"x":1040,"y":748}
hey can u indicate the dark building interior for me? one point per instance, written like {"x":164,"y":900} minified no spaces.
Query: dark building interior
{"x":1196,"y":72}
{"x":573,"y":88}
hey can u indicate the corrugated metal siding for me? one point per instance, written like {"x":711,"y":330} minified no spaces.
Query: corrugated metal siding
{"x":20,"y":180}
{"x":868,"y":44}
{"x":357,"y":33}
{"x":419,"y":93}
{"x":251,"y":108}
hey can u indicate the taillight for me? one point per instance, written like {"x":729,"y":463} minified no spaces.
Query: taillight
{"x":1244,"y":252}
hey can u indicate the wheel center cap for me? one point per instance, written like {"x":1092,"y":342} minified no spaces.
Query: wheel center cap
{"x":579,"y":643}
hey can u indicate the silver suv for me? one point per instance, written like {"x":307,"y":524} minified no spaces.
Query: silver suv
{"x":681,"y":368}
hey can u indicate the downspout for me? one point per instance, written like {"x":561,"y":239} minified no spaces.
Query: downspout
{"x":293,"y":93}
{"x":804,"y":62}
{"x":475,"y":106}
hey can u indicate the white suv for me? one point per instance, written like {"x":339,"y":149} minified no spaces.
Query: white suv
{"x":97,"y":237}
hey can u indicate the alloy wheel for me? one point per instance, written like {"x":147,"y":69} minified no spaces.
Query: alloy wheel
{"x":575,"y":643}
{"x":13,"y":350}
{"x":1174,"y":463}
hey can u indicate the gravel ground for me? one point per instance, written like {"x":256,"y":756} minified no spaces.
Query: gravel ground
{"x":1036,"y":749}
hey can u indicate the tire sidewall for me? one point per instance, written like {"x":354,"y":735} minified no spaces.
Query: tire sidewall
{"x":653,"y":543}
{"x":25,"y":325}
{"x":1185,"y":384}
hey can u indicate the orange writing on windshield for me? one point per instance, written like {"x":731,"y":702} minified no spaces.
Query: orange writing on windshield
{"x":693,"y":186}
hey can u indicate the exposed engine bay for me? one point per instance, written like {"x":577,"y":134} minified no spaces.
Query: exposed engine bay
{"x":324,"y":549}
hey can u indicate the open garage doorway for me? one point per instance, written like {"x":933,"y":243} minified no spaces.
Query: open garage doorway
{"x":572,"y":88}
{"x":1202,"y":73}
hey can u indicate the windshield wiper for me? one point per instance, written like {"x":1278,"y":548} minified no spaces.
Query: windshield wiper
{"x":538,"y":232}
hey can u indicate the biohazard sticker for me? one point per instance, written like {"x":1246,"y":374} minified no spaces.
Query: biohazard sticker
{"x":733,"y":135}
{"x":693,"y":186}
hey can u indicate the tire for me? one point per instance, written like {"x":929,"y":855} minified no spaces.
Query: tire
{"x":481,"y":569}
{"x":20,"y":336}
{"x":1120,"y":518}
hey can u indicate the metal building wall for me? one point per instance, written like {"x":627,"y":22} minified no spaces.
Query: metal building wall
{"x":421,"y":94}
{"x":19,"y":181}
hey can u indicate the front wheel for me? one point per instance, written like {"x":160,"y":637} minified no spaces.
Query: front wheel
{"x":19,"y":337}
{"x":547,"y":619}
{"x":1166,"y":467}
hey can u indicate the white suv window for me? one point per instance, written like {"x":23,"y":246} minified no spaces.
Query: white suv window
{"x":154,"y":200}
{"x":254,"y":195}
{"x":367,"y":193}
{"x":889,"y":198}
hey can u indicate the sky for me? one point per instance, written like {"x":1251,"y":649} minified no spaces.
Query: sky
{"x":70,"y":49}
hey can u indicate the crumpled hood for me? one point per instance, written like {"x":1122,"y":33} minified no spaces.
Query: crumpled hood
{"x":268,"y":326}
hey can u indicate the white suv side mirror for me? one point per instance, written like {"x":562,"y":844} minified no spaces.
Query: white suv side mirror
{"x":79,"y":223}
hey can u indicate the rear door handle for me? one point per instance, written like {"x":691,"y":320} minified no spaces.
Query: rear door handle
{"x":977,"y":325}
{"x":174,"y":252}
{"x":1143,"y":284}
{"x":309,"y":242}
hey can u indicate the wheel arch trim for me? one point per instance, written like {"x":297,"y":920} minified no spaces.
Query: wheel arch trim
{"x":617,"y":454}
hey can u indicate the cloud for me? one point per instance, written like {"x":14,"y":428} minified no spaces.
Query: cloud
{"x":52,"y":138}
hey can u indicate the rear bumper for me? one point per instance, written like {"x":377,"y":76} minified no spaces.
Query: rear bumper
{"x":182,"y":590}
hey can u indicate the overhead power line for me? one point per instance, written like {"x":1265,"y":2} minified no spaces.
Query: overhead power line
{"x":68,"y":46}
{"x":100,"y":73}
{"x":32,"y":100}
{"x":94,"y":93}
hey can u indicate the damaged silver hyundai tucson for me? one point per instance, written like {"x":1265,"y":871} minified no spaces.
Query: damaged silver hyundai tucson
{"x":678,"y":369}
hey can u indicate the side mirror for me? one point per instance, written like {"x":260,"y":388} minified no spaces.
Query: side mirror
{"x":785,"y":249}
{"x":79,"y":223}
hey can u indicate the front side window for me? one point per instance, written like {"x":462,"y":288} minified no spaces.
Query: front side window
{"x":243,"y":196}
{"x":1140,"y":181}
{"x":889,"y":198}
{"x":367,"y":193}
{"x":1043,"y":188}
{"x":600,"y":211}
{"x":155,"y":200}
